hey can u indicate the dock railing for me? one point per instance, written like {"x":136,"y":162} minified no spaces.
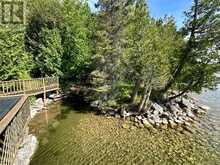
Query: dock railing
{"x":28,"y":87}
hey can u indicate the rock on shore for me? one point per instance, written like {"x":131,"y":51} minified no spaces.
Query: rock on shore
{"x":178,"y":113}
{"x":26,"y":151}
{"x":38,"y":106}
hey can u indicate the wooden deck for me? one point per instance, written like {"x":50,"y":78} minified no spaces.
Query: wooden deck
{"x":28,"y":87}
{"x":15,"y":93}
{"x":15,"y":112}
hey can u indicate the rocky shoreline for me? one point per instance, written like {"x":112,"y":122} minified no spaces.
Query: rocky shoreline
{"x":178,"y":113}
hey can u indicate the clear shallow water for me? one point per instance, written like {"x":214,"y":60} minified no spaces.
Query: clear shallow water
{"x":72,"y":135}
{"x":212,"y":99}
{"x":210,"y":123}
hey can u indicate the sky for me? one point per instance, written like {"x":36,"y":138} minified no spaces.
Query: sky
{"x":160,"y":8}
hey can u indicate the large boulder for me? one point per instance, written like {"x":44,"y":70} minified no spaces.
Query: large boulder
{"x":151,"y":121}
{"x":203,"y":107}
{"x":157,"y":108}
{"x":188,"y":104}
{"x":190,"y":114}
{"x":95,"y":103}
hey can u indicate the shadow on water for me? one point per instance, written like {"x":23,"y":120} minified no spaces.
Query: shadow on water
{"x":77,"y":104}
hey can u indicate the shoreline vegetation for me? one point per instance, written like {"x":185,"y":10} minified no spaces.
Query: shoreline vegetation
{"x":120,"y":51}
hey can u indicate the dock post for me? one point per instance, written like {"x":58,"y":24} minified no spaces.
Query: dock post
{"x":45,"y":97}
{"x":57,"y":91}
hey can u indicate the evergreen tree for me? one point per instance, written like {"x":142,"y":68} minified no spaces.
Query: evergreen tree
{"x":49,"y":60}
{"x":150,"y":49}
{"x":108,"y":48}
{"x":76,"y":32}
{"x":200,"y":58}
{"x":134,"y":35}
{"x":14,"y":61}
{"x":41,"y":15}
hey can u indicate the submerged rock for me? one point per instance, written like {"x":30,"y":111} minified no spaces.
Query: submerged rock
{"x":140,"y":125}
{"x":146,"y":123}
{"x":151,"y":121}
{"x":172,"y":123}
{"x":125,"y":125}
{"x":187,"y":123}
{"x":55,"y":124}
{"x":133,"y":127}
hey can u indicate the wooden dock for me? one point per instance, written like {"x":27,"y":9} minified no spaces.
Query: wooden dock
{"x":28,"y":87}
{"x":15,"y":112}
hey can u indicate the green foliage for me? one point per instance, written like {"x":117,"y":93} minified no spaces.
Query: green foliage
{"x":122,"y":92}
{"x":49,"y":60}
{"x":200,"y":60}
{"x":76,"y":32}
{"x":14,"y":61}
{"x":97,"y":78}
{"x":134,"y":36}
{"x":58,"y":35}
{"x":120,"y":49}
{"x":150,"y":49}
{"x":107,"y":38}
{"x":32,"y":99}
{"x":42,"y":14}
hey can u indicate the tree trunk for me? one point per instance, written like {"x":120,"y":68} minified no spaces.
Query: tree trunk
{"x":148,"y":98}
{"x":135,"y":91}
{"x":190,"y":86}
{"x":187,"y":51}
{"x":144,"y":97}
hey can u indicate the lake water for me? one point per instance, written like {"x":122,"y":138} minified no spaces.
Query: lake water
{"x":73,"y":135}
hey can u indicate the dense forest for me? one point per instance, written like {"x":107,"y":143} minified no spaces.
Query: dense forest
{"x":120,"y":51}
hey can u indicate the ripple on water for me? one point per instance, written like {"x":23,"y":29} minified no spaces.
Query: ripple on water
{"x":75,"y":138}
